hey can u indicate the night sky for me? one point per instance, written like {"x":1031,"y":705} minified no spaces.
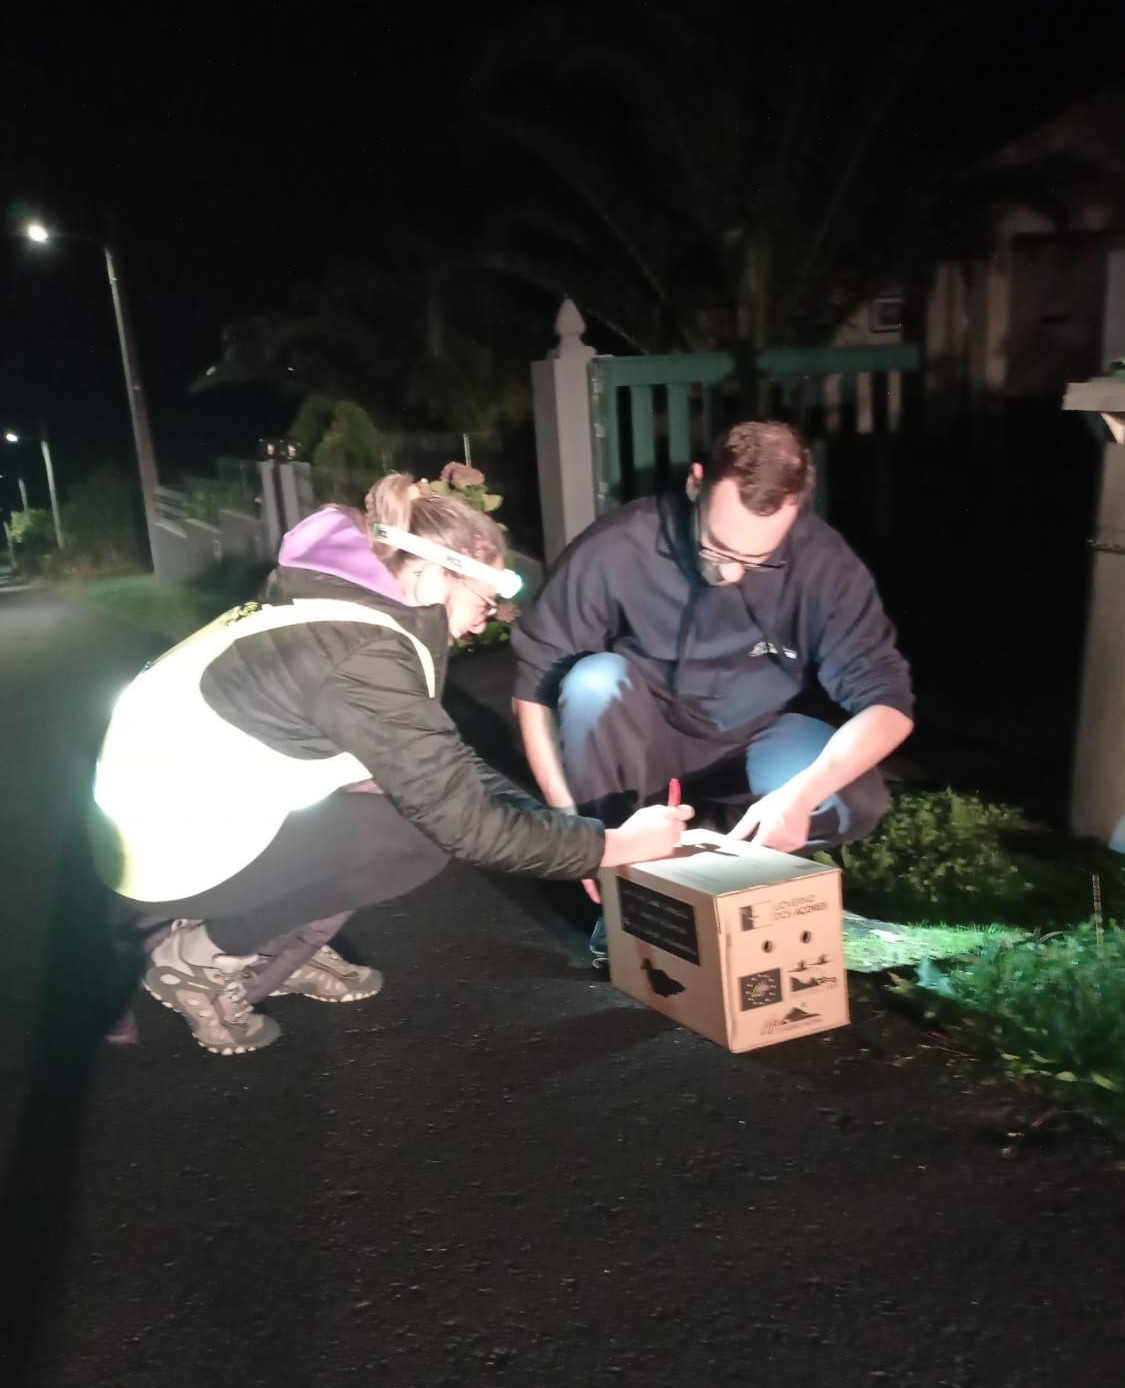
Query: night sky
{"x":244,"y":148}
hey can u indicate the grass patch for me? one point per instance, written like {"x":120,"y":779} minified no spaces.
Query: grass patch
{"x":172,"y":610}
{"x":875,"y":946}
{"x":167,"y":608}
{"x":1019,"y":975}
{"x":1052,"y":1007}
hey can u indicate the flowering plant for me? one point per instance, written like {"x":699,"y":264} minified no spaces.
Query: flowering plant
{"x":459,"y":479}
{"x":469,"y":484}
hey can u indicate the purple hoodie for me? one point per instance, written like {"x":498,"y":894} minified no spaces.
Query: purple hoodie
{"x":330,"y":542}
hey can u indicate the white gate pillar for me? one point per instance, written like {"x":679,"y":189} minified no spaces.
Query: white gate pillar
{"x":563,"y":436}
{"x":1097,"y":800}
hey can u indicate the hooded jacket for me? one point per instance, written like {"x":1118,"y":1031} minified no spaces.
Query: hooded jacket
{"x":721,"y":657}
{"x":333,"y":680}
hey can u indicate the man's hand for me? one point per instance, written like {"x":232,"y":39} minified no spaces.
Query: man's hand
{"x":778,"y":820}
{"x":781,"y":819}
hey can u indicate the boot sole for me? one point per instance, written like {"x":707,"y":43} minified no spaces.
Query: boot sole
{"x":318,"y":997}
{"x":211,"y":1050}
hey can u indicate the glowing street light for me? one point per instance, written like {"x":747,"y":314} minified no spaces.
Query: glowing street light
{"x":9,"y":437}
{"x":138,"y":414}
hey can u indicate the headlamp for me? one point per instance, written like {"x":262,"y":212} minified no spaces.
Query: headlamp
{"x":505,"y":583}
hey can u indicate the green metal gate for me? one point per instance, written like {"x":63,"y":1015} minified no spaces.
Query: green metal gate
{"x":653,"y":416}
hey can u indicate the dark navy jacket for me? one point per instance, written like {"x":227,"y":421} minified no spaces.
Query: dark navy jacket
{"x":721,"y":657}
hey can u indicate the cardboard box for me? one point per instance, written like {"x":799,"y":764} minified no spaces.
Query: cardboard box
{"x":743,"y":945}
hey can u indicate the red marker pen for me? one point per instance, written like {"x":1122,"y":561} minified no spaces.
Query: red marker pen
{"x":673,"y":793}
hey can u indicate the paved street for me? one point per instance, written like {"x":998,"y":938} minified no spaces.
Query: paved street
{"x":500,"y":1170}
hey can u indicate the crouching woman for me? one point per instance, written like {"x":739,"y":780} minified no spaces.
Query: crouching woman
{"x":225,"y":818}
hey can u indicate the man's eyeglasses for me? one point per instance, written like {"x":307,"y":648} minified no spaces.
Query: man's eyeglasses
{"x":712,"y":554}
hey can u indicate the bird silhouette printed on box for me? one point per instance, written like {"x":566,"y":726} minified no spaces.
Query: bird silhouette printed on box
{"x":662,"y":984}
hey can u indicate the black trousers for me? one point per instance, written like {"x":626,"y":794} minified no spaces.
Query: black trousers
{"x":348,"y":851}
{"x":620,"y":751}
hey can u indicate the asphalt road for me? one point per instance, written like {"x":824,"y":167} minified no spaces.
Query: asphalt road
{"x":500,"y":1170}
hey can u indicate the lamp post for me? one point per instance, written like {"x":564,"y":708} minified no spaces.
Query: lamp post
{"x":138,"y":412}
{"x":9,"y":437}
{"x":44,"y":447}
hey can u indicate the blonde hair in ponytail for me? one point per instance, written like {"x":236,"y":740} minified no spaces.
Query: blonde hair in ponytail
{"x":398,"y":500}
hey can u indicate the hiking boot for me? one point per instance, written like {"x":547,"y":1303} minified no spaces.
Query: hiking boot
{"x":327,"y":977}
{"x":212,"y":997}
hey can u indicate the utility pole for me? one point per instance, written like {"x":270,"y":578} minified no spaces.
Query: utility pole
{"x":138,"y":411}
{"x":46,"y":449}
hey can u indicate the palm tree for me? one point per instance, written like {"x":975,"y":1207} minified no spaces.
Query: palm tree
{"x":406,"y":337}
{"x":717,"y":178}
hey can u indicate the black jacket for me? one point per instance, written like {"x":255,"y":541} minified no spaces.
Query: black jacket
{"x":721,"y":656}
{"x":317,"y":689}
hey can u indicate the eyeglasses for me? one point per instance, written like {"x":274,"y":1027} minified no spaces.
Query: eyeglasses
{"x":713,"y":555}
{"x":491,"y":606}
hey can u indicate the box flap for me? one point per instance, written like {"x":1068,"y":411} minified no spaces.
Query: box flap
{"x":707,"y":863}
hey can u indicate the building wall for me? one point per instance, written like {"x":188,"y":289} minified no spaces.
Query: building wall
{"x":1027,"y":317}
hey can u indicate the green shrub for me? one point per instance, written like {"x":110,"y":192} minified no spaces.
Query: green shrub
{"x":939,"y":856}
{"x":338,"y":436}
{"x":954,"y":857}
{"x":101,"y":519}
{"x":312,"y":422}
{"x":33,"y":537}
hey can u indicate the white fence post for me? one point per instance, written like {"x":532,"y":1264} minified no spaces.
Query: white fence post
{"x":1113,"y":327}
{"x":563,"y":439}
{"x":1097,"y":801}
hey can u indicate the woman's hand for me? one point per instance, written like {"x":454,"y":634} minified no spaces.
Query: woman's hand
{"x":654,"y":832}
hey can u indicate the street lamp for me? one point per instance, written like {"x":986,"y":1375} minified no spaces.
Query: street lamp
{"x":138,"y":413}
{"x":11,"y":437}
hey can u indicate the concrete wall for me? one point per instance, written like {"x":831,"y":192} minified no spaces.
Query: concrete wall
{"x":185,"y":550}
{"x":243,"y":537}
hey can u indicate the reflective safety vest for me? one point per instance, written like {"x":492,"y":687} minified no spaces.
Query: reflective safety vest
{"x":183,"y":800}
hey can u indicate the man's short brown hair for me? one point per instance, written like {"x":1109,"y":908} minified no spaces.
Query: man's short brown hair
{"x":769,"y":461}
